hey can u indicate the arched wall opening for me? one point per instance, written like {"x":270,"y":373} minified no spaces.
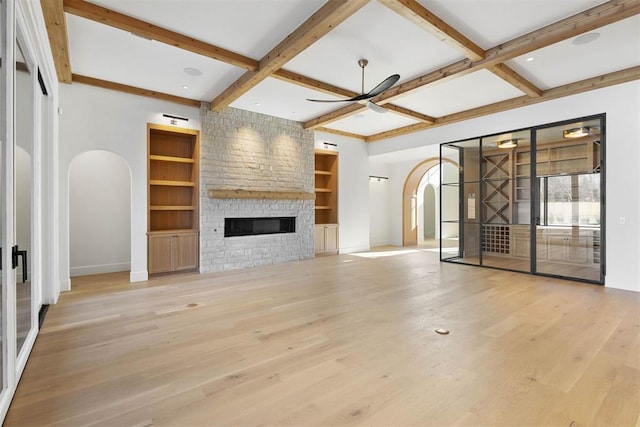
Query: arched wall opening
{"x":414,"y":208}
{"x":99,"y":214}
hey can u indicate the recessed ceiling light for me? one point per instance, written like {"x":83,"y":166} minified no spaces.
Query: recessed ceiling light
{"x":193,"y":71}
{"x":185,"y":87}
{"x":531,"y":58}
{"x":257,"y":104}
{"x":585,"y":38}
{"x":359,"y":116}
{"x":295,"y":113}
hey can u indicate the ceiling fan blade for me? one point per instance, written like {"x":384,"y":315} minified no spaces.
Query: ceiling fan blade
{"x":377,"y":108}
{"x":355,"y":98}
{"x":329,"y":100}
{"x":384,"y":85}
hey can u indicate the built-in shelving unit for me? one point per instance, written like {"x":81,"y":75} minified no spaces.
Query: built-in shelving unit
{"x":326,"y":204}
{"x":172,"y":165}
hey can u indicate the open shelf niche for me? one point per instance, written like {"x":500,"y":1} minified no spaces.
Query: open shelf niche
{"x":326,"y":205}
{"x":172,"y":166}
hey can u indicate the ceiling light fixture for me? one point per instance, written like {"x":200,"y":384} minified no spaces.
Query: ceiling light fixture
{"x":185,"y":87}
{"x":585,"y":38}
{"x":508,"y":143}
{"x":192,"y":71}
{"x":531,"y":58}
{"x":578,"y":132}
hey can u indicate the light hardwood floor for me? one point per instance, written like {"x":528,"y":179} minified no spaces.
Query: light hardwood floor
{"x":339,"y":340}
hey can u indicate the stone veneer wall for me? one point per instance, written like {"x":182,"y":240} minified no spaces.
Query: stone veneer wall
{"x":250,"y":151}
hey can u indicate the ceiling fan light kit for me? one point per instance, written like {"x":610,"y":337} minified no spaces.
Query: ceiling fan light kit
{"x":365,"y":98}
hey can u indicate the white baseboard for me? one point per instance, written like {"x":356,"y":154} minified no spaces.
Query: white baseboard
{"x":65,"y":285}
{"x":354,"y":249}
{"x":139,"y":276}
{"x":99,"y":269}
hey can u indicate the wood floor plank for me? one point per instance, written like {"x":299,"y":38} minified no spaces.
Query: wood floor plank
{"x":338,"y":340}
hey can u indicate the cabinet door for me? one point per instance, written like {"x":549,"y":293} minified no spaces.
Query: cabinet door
{"x":160,"y":253}
{"x":521,"y":244}
{"x":331,"y":238}
{"x":186,"y":251}
{"x":319,"y":239}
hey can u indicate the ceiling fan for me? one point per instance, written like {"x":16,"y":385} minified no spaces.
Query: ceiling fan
{"x":364,"y":98}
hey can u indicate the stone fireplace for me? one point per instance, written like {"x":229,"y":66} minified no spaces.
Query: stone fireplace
{"x":260,"y":167}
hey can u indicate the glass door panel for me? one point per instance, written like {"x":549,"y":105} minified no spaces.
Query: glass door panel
{"x":569,"y":209}
{"x":23,"y":193}
{"x":506,"y":201}
{"x":3,"y":137}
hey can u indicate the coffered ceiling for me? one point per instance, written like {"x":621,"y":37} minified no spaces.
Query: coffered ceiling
{"x":457,"y":59}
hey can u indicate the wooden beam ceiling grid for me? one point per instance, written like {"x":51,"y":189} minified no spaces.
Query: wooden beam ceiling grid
{"x":331,"y":14}
{"x":136,"y":26}
{"x":334,"y":12}
{"x":596,"y":17}
{"x":586,"y":85}
{"x":127,"y":23}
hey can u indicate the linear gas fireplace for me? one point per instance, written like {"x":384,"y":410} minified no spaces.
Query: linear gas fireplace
{"x":255,"y":226}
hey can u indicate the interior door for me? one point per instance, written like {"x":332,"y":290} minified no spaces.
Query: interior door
{"x":3,"y":147}
{"x":24,"y":86}
{"x":569,"y":208}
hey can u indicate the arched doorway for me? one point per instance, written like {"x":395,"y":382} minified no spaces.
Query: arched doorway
{"x":99,"y":214}
{"x":410,"y":215}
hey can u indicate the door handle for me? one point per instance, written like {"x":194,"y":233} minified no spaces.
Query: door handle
{"x":15,"y":253}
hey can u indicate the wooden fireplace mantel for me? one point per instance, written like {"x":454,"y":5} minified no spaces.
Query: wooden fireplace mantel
{"x":261,"y":194}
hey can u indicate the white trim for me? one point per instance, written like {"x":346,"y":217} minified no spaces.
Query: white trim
{"x":139,"y":276}
{"x":100,"y":269}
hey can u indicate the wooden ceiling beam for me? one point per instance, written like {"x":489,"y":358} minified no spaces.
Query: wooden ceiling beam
{"x":342,"y":133}
{"x":610,"y":79}
{"x":135,"y":90}
{"x":419,"y":15}
{"x":596,"y":17}
{"x":510,"y":76}
{"x":56,"y":24}
{"x":409,"y":113}
{"x":136,"y":26}
{"x":331,"y":14}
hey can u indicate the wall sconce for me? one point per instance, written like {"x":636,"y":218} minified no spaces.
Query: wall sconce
{"x":174,"y":119}
{"x":379,"y":178}
{"x":329,"y":144}
{"x":508,"y":143}
{"x":576,"y":132}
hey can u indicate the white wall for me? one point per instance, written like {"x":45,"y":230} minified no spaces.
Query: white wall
{"x":353,"y":191}
{"x":100,"y":119}
{"x":621,"y":103}
{"x":99,"y":214}
{"x":379,"y":215}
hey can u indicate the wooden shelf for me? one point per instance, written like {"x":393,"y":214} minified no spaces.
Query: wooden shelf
{"x":326,"y":187}
{"x":170,"y":159}
{"x":173,"y":196}
{"x":171,"y":208}
{"x":168,"y":183}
